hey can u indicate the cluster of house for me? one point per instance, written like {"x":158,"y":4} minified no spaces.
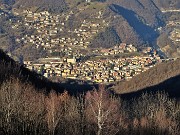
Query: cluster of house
{"x":48,"y":30}
{"x":175,"y":35}
{"x":99,"y":71}
{"x":49,"y":26}
{"x":122,"y":48}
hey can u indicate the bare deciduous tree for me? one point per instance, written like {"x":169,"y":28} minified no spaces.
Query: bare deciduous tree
{"x":33,"y":108}
{"x":53,"y":105}
{"x":102,"y":109}
{"x":10,"y":97}
{"x":56,"y":105}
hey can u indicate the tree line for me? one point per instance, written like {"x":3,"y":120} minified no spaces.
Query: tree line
{"x":26,"y":111}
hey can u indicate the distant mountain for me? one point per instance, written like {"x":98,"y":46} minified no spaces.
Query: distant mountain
{"x":145,"y":11}
{"x":142,"y":16}
{"x":164,"y":77}
{"x":136,"y":21}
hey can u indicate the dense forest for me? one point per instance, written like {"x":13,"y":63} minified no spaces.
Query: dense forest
{"x":24,"y":110}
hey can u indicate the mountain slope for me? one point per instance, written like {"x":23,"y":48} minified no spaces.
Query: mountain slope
{"x":56,"y":6}
{"x":106,"y":39}
{"x":10,"y":69}
{"x":146,"y":10}
{"x":160,"y":77}
{"x":135,"y":20}
{"x":132,"y":21}
{"x":143,"y":16}
{"x":166,"y":4}
{"x":146,"y":32}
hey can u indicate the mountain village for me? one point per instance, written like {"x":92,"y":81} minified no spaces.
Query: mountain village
{"x":70,"y":66}
{"x":51,"y":33}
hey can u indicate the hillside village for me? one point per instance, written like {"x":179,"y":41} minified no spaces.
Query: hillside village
{"x":52,"y":34}
{"x":49,"y":27}
{"x":94,"y":71}
{"x":67,"y":47}
{"x":98,"y":71}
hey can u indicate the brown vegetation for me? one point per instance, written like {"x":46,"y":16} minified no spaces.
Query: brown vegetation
{"x":25,"y":111}
{"x":11,"y":69}
{"x":27,"y":108}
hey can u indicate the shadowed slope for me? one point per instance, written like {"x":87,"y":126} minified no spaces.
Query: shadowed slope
{"x":170,"y":86}
{"x":146,"y":32}
{"x":10,"y":69}
{"x":163,"y":77}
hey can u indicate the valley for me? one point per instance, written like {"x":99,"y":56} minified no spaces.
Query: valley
{"x":98,"y":42}
{"x":89,"y":67}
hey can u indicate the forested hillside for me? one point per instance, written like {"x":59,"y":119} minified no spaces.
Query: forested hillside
{"x":106,"y":39}
{"x":145,"y":10}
